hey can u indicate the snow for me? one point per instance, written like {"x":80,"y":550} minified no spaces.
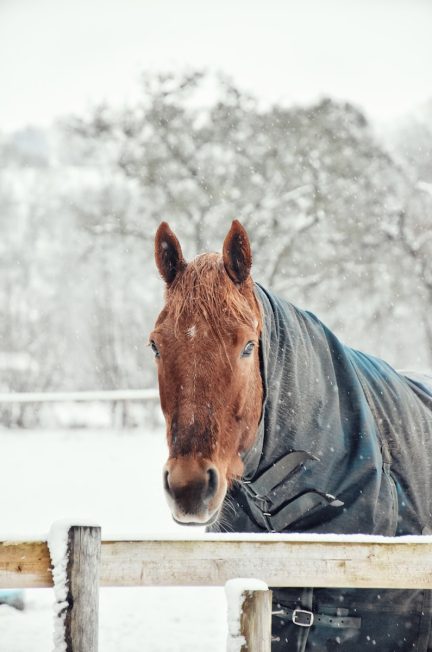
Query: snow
{"x":131,"y":620}
{"x":105,"y":477}
{"x":112,"y":479}
{"x":233,"y":592}
{"x":58,"y":543}
{"x":427,"y":187}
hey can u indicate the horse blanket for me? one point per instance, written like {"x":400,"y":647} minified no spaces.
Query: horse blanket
{"x":344,"y":445}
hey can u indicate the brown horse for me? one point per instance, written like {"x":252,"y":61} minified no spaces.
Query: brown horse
{"x":206,"y":347}
{"x":321,"y":437}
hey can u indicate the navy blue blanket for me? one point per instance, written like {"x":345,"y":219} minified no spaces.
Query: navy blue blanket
{"x":344,"y":446}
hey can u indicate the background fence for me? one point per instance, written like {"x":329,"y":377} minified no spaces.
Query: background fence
{"x":115,"y":408}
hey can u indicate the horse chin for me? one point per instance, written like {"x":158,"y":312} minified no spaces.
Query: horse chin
{"x":192,"y":521}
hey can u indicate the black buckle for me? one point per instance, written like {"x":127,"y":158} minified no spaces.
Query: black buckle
{"x":302,"y":618}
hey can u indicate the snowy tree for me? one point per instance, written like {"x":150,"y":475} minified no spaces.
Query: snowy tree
{"x":319,"y":194}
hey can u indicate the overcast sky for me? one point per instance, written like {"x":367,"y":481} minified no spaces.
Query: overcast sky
{"x":60,"y":56}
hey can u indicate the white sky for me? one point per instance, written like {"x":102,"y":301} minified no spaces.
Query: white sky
{"x":59,"y":56}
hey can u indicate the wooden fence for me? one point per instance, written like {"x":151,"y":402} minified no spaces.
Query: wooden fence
{"x":118,"y":400}
{"x":277,"y":560}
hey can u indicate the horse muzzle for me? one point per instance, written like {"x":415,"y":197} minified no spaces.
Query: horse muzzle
{"x":194,"y":490}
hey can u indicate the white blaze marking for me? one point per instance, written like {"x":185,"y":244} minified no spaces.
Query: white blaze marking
{"x":191,"y":331}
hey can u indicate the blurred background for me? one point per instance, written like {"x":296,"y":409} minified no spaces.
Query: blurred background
{"x":310,"y":121}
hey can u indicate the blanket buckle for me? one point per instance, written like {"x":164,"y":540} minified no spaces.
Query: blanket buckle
{"x":302,"y":618}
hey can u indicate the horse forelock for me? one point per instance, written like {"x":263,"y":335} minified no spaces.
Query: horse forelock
{"x":204,"y":289}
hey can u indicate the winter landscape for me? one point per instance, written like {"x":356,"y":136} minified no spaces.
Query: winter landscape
{"x":336,"y":198}
{"x":128,"y":502}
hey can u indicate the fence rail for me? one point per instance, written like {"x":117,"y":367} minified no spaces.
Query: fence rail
{"x":23,"y":408}
{"x":275,"y":560}
{"x":93,"y":396}
{"x":396,"y":563}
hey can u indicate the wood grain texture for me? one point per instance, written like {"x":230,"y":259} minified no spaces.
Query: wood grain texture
{"x":25,"y":564}
{"x":82,"y":613}
{"x":255,"y":621}
{"x":212,"y":563}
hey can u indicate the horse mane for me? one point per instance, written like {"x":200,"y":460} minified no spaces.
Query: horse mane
{"x":203,"y":288}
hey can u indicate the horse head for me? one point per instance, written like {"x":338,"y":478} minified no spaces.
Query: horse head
{"x":206,"y":342}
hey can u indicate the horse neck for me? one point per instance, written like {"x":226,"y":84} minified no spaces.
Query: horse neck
{"x":291,"y":363}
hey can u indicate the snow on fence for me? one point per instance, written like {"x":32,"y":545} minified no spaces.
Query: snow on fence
{"x":66,"y":397}
{"x":277,"y":560}
{"x":118,"y":400}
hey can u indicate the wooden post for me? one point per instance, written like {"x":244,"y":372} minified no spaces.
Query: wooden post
{"x":255,"y":621}
{"x":114,"y":418}
{"x":249,"y":616}
{"x":82,"y":610}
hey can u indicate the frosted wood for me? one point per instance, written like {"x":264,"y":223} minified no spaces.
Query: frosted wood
{"x":25,"y":565}
{"x":255,"y":621}
{"x":82,"y":613}
{"x":212,"y":563}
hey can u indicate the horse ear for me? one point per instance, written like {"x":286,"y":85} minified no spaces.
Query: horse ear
{"x":237,"y":255}
{"x":168,"y":253}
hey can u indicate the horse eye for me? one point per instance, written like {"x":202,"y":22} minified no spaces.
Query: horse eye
{"x":247,"y":351}
{"x":154,"y":349}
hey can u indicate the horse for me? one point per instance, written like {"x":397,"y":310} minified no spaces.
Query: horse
{"x":274,"y":425}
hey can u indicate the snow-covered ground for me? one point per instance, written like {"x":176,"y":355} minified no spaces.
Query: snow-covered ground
{"x":114,"y":479}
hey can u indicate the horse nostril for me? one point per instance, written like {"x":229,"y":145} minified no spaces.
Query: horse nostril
{"x":166,"y":482}
{"x":212,"y":482}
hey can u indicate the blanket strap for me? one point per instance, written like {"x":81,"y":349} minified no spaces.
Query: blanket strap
{"x":260,"y":488}
{"x":306,"y":618}
{"x":279,"y":472}
{"x":298,"y":508}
